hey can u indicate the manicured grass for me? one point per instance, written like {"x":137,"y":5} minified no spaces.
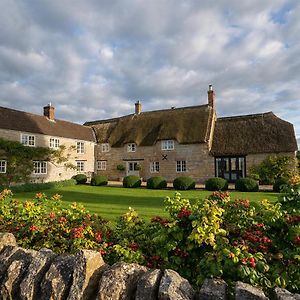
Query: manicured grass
{"x":111,"y":202}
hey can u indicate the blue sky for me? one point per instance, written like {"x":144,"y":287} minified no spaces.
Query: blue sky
{"x":93,"y":59}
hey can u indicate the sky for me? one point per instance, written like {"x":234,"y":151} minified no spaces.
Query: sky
{"x":93,"y":59}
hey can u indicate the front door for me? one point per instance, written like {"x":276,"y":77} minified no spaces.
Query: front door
{"x":132,"y":168}
{"x":230,"y":168}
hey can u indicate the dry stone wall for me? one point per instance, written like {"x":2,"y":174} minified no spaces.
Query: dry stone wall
{"x":44,"y":275}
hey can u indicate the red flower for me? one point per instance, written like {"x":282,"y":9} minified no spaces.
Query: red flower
{"x":98,"y":236}
{"x":52,"y":214}
{"x":62,"y":219}
{"x":133,"y":246}
{"x":184,"y":213}
{"x":33,"y":228}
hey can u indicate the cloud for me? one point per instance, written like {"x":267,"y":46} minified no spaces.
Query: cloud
{"x":93,"y":59}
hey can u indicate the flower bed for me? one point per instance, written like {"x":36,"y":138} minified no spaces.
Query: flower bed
{"x":214,"y":237}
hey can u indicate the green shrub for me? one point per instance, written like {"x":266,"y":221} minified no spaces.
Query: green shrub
{"x":216,"y":184}
{"x":156,"y":182}
{"x":132,"y":181}
{"x":99,"y":180}
{"x":36,"y":187}
{"x":279,"y":183}
{"x":246,"y":185}
{"x":184,"y":183}
{"x":80,"y":178}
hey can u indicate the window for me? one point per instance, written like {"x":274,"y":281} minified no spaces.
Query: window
{"x":39,"y":167}
{"x":105,"y":147}
{"x":101,"y":165}
{"x":154,"y":167}
{"x":181,"y":166}
{"x":80,"y":147}
{"x":167,"y":145}
{"x":2,"y":166}
{"x":28,"y":140}
{"x":80,"y":166}
{"x":54,"y":143}
{"x":131,"y":147}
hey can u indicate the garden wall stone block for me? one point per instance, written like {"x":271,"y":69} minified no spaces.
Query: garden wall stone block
{"x":213,"y":289}
{"x":248,"y":292}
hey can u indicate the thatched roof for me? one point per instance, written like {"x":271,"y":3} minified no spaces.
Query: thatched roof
{"x":27,"y":122}
{"x":249,"y":134}
{"x":187,"y":125}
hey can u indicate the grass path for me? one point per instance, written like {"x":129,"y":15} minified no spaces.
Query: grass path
{"x":111,"y":202}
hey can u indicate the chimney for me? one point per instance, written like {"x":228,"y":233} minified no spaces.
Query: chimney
{"x":138,"y":107}
{"x":49,"y":111}
{"x":211,"y":97}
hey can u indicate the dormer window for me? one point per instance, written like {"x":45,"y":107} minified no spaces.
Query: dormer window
{"x":28,"y":140}
{"x":167,"y":145}
{"x":131,"y":147}
{"x":105,"y":147}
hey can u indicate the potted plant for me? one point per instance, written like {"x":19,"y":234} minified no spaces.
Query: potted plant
{"x":121,"y":168}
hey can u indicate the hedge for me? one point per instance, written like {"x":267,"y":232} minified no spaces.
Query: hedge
{"x":156,"y":182}
{"x":132,"y":181}
{"x":184,"y":183}
{"x":80,"y":178}
{"x":216,"y":184}
{"x":36,"y":187}
{"x":246,"y":185}
{"x":99,"y":180}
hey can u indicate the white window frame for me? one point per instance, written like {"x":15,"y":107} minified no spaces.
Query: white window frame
{"x":40,"y":167}
{"x":80,"y":166}
{"x":131,"y":147}
{"x":181,"y":166}
{"x":101,"y":165}
{"x":154,"y":167}
{"x":167,"y":145}
{"x":105,"y":147}
{"x":28,"y":140}
{"x":54,"y":143}
{"x":80,"y":147}
{"x":3,"y":165}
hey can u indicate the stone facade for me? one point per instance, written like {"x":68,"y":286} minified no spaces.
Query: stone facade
{"x":199,"y":162}
{"x":57,"y":172}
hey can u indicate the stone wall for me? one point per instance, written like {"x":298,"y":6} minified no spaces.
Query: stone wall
{"x":199,"y":162}
{"x":57,"y":172}
{"x":43,"y":275}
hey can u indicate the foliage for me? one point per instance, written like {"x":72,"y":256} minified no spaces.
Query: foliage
{"x":184,"y":183}
{"x":278,"y":184}
{"x":246,"y":185}
{"x":121,"y":168}
{"x":19,"y":160}
{"x":272,"y":168}
{"x":132,"y":181}
{"x":99,"y":180}
{"x":156,"y":182}
{"x":80,"y":178}
{"x":34,"y":187}
{"x":216,"y":184}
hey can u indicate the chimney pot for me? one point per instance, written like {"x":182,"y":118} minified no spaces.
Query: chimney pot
{"x":211,"y":97}
{"x":49,"y":112}
{"x":138,"y":107}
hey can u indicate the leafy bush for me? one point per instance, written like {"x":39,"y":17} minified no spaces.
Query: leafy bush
{"x":132,"y":181}
{"x":216,"y":184}
{"x":99,"y":180}
{"x":34,"y":187}
{"x":272,"y":168}
{"x":246,"y":185}
{"x":121,"y":168}
{"x":184,"y":183}
{"x":278,"y":184}
{"x":157,"y":182}
{"x":80,"y":178}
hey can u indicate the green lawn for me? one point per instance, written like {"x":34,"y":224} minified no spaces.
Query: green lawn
{"x":111,"y":202}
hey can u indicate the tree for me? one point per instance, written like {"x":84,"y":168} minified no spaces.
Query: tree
{"x":274,"y":167}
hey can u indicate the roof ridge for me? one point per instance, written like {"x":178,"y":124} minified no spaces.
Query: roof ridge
{"x":144,"y":113}
{"x":246,"y":116}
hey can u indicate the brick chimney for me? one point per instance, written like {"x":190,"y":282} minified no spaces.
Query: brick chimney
{"x":138,"y":107}
{"x":49,"y":112}
{"x":211,"y":97}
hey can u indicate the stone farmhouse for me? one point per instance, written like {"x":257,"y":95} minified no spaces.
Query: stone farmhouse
{"x":187,"y":141}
